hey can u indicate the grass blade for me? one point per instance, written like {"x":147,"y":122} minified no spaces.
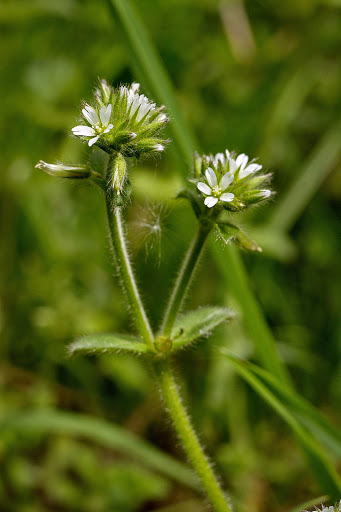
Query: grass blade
{"x":321,"y":162}
{"x":253,"y":319}
{"x":105,"y":433}
{"x":306,"y":413}
{"x":319,"y":464}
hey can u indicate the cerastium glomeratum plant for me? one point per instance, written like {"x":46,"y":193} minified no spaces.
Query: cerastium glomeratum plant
{"x":124,"y":123}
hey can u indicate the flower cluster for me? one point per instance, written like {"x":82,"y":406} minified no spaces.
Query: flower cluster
{"x":230,"y":181}
{"x":122,"y":120}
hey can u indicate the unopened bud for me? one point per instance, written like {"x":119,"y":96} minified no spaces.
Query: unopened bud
{"x":119,"y":172}
{"x":64,"y":171}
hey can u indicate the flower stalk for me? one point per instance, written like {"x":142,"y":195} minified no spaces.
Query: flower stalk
{"x":119,"y":245}
{"x":184,"y":278}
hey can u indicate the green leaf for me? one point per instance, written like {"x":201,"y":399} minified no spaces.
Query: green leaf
{"x":108,"y":344}
{"x":304,"y":411}
{"x":198,"y":324}
{"x":229,"y":233}
{"x":318,"y":462}
{"x":106,"y":434}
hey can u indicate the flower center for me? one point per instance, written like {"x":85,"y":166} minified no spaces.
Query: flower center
{"x":216,"y":191}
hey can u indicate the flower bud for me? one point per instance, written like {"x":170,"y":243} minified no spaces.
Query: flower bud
{"x":64,"y":171}
{"x":118,"y":173}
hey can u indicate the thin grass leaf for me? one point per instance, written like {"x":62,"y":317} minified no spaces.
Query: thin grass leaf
{"x":198,"y":324}
{"x":321,"y":162}
{"x":323,"y":470}
{"x":253,"y":319}
{"x":107,"y":344}
{"x":307,"y":504}
{"x":100,"y":431}
{"x":152,"y":70}
{"x":306,"y":413}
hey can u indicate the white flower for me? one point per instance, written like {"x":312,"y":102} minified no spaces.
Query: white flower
{"x":99,"y":123}
{"x":213,"y":190}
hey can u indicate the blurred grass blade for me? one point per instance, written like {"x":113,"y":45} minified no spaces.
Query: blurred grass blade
{"x":316,"y":501}
{"x":323,"y":470}
{"x":253,"y":319}
{"x":198,"y":324}
{"x":321,"y":162}
{"x":154,"y":73}
{"x":107,"y":344}
{"x":229,"y":261}
{"x":291,"y":94}
{"x":102,"y":432}
{"x":307,"y":413}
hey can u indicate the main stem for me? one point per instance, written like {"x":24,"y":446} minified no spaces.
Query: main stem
{"x":184,"y":278}
{"x":126,"y":272}
{"x":188,"y":437}
{"x":168,"y":386}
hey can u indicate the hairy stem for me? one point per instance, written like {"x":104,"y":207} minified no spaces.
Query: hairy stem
{"x":200,"y":463}
{"x":124,"y":267}
{"x":184,"y":278}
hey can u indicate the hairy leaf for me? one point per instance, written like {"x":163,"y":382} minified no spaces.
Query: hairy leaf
{"x":198,"y":324}
{"x":108,"y":344}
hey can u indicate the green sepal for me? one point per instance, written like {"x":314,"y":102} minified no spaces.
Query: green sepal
{"x":123,"y":137}
{"x":98,"y":344}
{"x":198,"y":324}
{"x":229,"y":233}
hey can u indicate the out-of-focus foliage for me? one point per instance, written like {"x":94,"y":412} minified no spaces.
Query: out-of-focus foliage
{"x":262,"y":77}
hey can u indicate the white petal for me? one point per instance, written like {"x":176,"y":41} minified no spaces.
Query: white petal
{"x":227,"y":153}
{"x":210,"y":201}
{"x":226,"y":180}
{"x":265,"y":193}
{"x":211,"y":177}
{"x":93,"y":141}
{"x":227,"y":197}
{"x":108,"y":128}
{"x":90,"y":115}
{"x":249,"y":170}
{"x":205,"y":189}
{"x":242,"y":160}
{"x":143,"y":110}
{"x":85,"y":131}
{"x":219,"y":158}
{"x":135,"y":86}
{"x":161,"y":118}
{"x":105,"y":114}
{"x":159,"y":147}
{"x":233,"y":166}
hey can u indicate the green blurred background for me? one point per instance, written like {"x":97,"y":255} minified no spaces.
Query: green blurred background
{"x":261,"y":77}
